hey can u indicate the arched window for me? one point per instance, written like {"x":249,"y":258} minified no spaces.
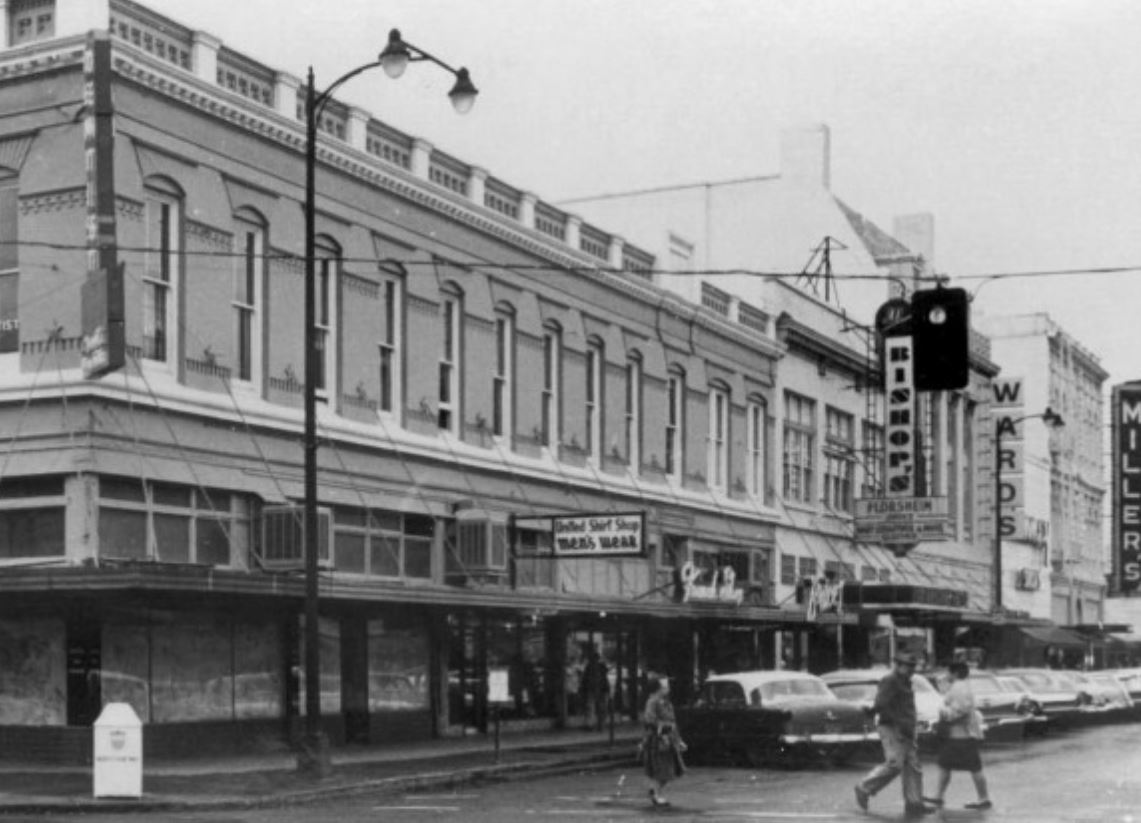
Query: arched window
{"x":503,"y":382}
{"x":718,"y":454}
{"x":162,"y":271}
{"x":328,"y":260}
{"x":675,"y":423}
{"x":448,"y":413}
{"x":595,"y":364}
{"x":756,"y":440}
{"x":248,"y":295}
{"x":552,"y":377}
{"x":634,"y":411}
{"x":392,"y":276}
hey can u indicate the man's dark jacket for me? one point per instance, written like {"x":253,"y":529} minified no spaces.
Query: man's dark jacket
{"x":895,"y":703}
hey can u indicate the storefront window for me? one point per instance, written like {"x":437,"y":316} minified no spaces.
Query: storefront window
{"x":184,"y":666}
{"x":397,"y":667}
{"x":33,"y":679}
{"x":329,"y":632}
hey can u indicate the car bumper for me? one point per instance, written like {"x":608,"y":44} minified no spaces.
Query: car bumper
{"x":828,"y":739}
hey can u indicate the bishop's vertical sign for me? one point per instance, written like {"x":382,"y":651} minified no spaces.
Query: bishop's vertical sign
{"x":1125,"y":413}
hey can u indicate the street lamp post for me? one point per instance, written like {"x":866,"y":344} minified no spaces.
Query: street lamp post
{"x":1054,"y":421}
{"x":313,"y":754}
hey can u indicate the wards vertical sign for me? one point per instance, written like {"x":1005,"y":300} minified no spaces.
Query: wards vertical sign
{"x":1126,"y":427}
{"x":1008,"y":412}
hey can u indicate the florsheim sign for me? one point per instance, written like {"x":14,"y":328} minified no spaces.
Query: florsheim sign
{"x":890,"y":520}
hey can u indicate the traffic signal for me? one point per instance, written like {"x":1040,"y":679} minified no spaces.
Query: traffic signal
{"x":940,"y":328}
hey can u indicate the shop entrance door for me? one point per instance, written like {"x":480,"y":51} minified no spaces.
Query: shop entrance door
{"x":617,"y":651}
{"x":84,"y":666}
{"x":467,"y":665}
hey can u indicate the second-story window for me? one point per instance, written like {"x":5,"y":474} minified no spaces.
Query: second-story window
{"x":503,"y":386}
{"x":552,"y":374}
{"x":634,"y":413}
{"x":249,"y":268}
{"x":161,"y":273}
{"x":451,"y":319}
{"x":873,"y":462}
{"x":30,"y":20}
{"x":718,"y":438}
{"x":675,"y":424}
{"x":799,"y":447}
{"x":594,"y":367}
{"x":839,"y":459}
{"x":328,"y":279}
{"x":755,"y":439}
{"x":391,"y":336}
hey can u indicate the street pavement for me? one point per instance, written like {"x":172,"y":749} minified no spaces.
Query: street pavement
{"x":256,"y":781}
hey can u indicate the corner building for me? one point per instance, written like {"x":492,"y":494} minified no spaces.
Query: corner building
{"x":488,"y":362}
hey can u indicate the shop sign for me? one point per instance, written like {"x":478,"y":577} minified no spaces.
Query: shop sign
{"x":600,"y":534}
{"x":1028,"y":580}
{"x":722,"y":588}
{"x":825,"y":597}
{"x":1126,"y":424}
{"x":1008,"y":440}
{"x":908,"y":520}
{"x":497,"y":686}
{"x":899,"y":432}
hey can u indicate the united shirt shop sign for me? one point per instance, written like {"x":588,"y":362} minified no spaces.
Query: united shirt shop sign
{"x":600,"y":534}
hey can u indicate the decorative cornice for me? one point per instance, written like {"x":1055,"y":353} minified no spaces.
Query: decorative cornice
{"x":61,"y":200}
{"x":363,"y":287}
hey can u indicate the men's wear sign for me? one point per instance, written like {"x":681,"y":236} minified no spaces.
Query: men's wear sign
{"x":1126,"y":426}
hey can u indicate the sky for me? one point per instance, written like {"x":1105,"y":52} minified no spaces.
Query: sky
{"x":1016,"y":124}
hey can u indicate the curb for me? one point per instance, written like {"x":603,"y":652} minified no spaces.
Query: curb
{"x":379,"y":786}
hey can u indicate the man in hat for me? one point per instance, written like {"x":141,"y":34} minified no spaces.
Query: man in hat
{"x":895,"y":710}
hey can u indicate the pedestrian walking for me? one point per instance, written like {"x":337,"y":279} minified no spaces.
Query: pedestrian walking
{"x":959,"y":749}
{"x":595,"y":686}
{"x":661,"y":746}
{"x":896,"y":723}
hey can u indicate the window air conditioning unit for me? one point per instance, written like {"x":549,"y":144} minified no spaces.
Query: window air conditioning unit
{"x":1028,"y":580}
{"x":481,"y":542}
{"x":283,"y":538}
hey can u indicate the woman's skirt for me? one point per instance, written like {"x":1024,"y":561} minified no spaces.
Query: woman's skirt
{"x":960,"y":754}
{"x":661,"y":758}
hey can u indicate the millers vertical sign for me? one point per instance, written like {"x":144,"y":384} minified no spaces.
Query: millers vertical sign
{"x":1125,"y":407}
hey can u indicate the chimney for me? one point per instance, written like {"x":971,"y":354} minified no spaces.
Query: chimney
{"x":917,"y":232}
{"x":806,"y":155}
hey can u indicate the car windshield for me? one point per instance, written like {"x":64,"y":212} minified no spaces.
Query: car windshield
{"x":1034,"y":679}
{"x":778,"y":690}
{"x":984,"y":684}
{"x":856,"y":692}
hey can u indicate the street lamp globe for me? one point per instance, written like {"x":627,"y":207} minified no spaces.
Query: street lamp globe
{"x":396,"y":55}
{"x":463,"y":92}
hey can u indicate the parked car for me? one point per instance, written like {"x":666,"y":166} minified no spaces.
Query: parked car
{"x":1006,"y":713}
{"x":859,"y":686}
{"x":1029,"y":708}
{"x":1060,"y":700}
{"x":1108,"y":700}
{"x":1131,"y":680}
{"x":773,"y":717}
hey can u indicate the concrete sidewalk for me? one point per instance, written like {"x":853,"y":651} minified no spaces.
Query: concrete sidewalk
{"x":272,"y":779}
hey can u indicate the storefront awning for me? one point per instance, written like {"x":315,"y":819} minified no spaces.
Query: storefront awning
{"x":1054,"y":636}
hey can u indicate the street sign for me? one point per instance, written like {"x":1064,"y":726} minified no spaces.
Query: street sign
{"x":901,"y":520}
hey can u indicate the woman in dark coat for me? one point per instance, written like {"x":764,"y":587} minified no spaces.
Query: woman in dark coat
{"x":960,"y":748}
{"x":661,"y":744}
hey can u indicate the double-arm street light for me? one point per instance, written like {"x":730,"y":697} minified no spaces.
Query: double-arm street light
{"x":313,"y":756}
{"x":1052,"y":419}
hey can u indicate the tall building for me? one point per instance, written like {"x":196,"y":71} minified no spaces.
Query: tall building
{"x":786,"y":251}
{"x":527,"y":451}
{"x":1044,"y":366}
